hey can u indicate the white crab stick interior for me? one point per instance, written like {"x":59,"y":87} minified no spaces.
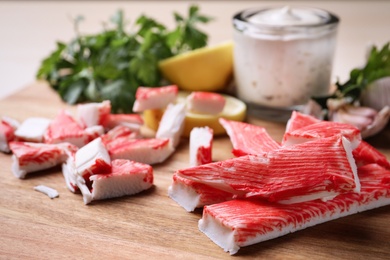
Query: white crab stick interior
{"x":88,"y":155}
{"x":172,"y":123}
{"x":201,"y":145}
{"x":32,"y":129}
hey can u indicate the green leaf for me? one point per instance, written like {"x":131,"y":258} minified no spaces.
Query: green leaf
{"x":113,"y":63}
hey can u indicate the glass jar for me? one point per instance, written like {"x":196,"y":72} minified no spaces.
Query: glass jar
{"x":282,"y":58}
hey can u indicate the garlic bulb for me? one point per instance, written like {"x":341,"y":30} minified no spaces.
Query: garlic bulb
{"x":377,"y":94}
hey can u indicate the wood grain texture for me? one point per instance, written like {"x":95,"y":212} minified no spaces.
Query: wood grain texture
{"x":150,"y":223}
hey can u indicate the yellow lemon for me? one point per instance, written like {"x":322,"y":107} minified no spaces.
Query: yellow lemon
{"x":204,"y":69}
{"x":234,"y":109}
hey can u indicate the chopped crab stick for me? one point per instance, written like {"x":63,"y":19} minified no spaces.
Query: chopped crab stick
{"x":154,"y":98}
{"x":299,"y":120}
{"x":247,"y":138}
{"x":238,"y":223}
{"x":191,"y":194}
{"x":205,"y":102}
{"x":149,"y":150}
{"x":92,"y":158}
{"x":92,"y":114}
{"x":366,"y":154}
{"x":64,"y":128}
{"x":291,"y":174}
{"x":118,"y":132}
{"x":32,"y":129}
{"x":70,"y":174}
{"x":31,"y":157}
{"x":7,"y":134}
{"x":172,"y":123}
{"x":320,"y":130}
{"x":125,"y":178}
{"x":201,"y":142}
{"x":132,"y":121}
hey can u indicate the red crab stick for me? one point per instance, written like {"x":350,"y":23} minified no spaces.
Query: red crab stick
{"x":320,"y":130}
{"x":154,"y":98}
{"x":32,"y":129}
{"x":92,"y":158}
{"x":238,"y":223}
{"x":132,"y":121}
{"x":125,"y":178}
{"x":247,"y":138}
{"x":64,"y":128}
{"x":92,"y":114}
{"x":149,"y":151}
{"x":31,"y":157}
{"x":201,"y":142}
{"x":299,"y":120}
{"x":302,"y":172}
{"x":8,"y":127}
{"x":205,"y":102}
{"x":365,"y":154}
{"x":172,"y":123}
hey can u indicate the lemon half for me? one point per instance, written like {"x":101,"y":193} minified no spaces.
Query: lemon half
{"x":234,"y":109}
{"x":204,"y":69}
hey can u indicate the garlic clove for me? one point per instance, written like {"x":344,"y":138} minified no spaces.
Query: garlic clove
{"x":377,"y":94}
{"x":380,"y":122}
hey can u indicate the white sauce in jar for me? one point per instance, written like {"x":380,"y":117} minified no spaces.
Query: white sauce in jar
{"x":283,"y":56}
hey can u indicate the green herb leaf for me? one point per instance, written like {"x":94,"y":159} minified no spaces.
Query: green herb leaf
{"x":376,"y":67}
{"x":112,"y":64}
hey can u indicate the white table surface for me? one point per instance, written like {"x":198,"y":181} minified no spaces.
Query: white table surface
{"x":29,"y":29}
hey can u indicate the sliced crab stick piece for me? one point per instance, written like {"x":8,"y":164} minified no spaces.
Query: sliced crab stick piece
{"x":154,"y":98}
{"x":92,"y":114}
{"x":205,"y":102}
{"x":191,"y":194}
{"x":201,"y":143}
{"x":92,"y":158}
{"x":8,"y":127}
{"x":125,"y":178}
{"x":367,"y":154}
{"x":64,"y":128}
{"x":118,"y":132}
{"x":172,"y":123}
{"x":247,"y":138}
{"x":320,"y":130}
{"x":299,"y":120}
{"x":148,"y":151}
{"x":291,"y":174}
{"x":32,"y":129}
{"x":32,"y":157}
{"x":238,"y":223}
{"x":132,"y":121}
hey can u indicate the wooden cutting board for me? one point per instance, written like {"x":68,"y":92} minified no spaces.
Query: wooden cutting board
{"x":150,"y":224}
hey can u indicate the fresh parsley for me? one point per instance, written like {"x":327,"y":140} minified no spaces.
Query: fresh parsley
{"x":112,"y":64}
{"x":376,"y":67}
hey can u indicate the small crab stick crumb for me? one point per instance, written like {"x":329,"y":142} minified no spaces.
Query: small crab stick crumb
{"x":32,"y":129}
{"x":92,"y":114}
{"x":201,"y":139}
{"x":154,"y":98}
{"x":92,"y":158}
{"x":205,"y":102}
{"x":50,"y":192}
